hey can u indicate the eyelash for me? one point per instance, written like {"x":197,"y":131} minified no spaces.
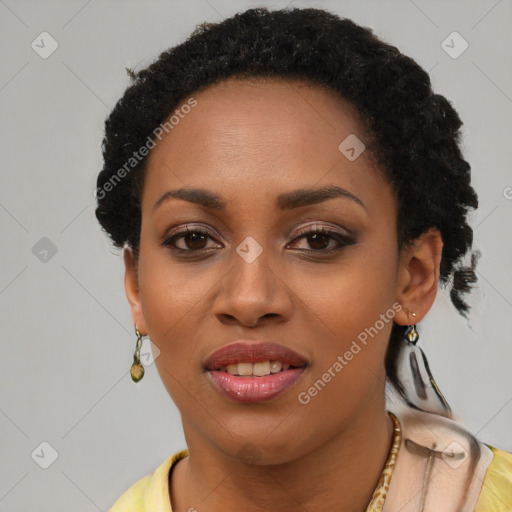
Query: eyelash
{"x":343,"y":240}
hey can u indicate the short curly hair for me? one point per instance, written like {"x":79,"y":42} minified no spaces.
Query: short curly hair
{"x":414,"y":134}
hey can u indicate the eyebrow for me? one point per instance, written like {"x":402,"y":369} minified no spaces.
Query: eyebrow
{"x":285,"y":201}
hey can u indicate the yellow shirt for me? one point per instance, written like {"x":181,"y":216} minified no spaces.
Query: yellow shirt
{"x":151,"y":493}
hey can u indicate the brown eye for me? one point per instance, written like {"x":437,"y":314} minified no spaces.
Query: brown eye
{"x":319,"y":239}
{"x":189,"y":240}
{"x":194,"y":241}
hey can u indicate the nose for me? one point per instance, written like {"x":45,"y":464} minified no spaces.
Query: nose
{"x":253,"y":292}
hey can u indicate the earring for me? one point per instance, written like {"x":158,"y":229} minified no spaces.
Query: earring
{"x":137,"y":370}
{"x":420,"y":388}
{"x":411,"y":333}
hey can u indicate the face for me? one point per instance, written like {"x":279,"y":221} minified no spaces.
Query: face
{"x":296,"y":246}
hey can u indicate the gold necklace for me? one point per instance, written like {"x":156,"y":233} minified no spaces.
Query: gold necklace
{"x":379,"y":495}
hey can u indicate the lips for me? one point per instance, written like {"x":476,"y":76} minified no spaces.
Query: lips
{"x":234,"y":370}
{"x":250,"y":352}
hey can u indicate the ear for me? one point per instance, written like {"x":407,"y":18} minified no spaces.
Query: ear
{"x":131,"y":286}
{"x":418,"y":276}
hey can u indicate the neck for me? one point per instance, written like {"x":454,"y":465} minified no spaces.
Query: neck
{"x":341,"y":474}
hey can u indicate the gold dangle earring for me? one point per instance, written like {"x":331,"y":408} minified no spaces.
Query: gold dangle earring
{"x":411,"y":333}
{"x":137,"y":370}
{"x":420,"y":388}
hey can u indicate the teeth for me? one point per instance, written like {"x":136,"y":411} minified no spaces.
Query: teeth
{"x":245,"y":368}
{"x":232,"y":369}
{"x":275,"y":366}
{"x":261,"y":369}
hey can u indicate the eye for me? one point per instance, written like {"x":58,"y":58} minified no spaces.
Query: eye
{"x":191,"y":239}
{"x":194,"y":239}
{"x":320,"y":238}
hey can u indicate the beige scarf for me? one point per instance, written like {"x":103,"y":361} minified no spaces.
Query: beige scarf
{"x":440,"y":466}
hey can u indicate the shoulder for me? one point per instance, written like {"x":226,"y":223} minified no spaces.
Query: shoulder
{"x":151,"y":492}
{"x":496,"y":494}
{"x":132,"y":500}
{"x":459,"y":469}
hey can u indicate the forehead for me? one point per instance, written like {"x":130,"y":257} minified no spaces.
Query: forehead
{"x":261,"y":134}
{"x":262,"y":106}
{"x":275,"y":96}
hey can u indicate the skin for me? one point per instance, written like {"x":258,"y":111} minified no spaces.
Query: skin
{"x":249,"y":141}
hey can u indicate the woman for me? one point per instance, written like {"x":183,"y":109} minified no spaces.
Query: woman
{"x":289,"y":193}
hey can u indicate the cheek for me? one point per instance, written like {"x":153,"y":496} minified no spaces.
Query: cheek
{"x":351,"y":296}
{"x":169,"y":298}
{"x":353,"y":312}
{"x":175,"y":301}
{"x":170,"y":310}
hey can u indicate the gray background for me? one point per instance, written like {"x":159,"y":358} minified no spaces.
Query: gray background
{"x":67,"y":337}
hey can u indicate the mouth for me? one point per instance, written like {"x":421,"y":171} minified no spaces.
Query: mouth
{"x":249,"y":372}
